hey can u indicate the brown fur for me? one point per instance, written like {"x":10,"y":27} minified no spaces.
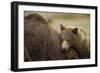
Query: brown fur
{"x":75,"y":39}
{"x":41,"y":42}
{"x":70,"y":54}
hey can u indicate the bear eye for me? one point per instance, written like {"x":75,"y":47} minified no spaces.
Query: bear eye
{"x":68,"y":40}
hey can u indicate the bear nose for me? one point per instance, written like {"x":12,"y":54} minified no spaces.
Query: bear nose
{"x":65,"y":45}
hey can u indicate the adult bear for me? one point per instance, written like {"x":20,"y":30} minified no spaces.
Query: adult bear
{"x":41,"y":42}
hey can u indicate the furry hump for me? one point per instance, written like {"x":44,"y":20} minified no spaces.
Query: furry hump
{"x":41,"y":42}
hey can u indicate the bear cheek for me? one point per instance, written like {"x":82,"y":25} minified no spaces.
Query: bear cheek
{"x":65,"y":45}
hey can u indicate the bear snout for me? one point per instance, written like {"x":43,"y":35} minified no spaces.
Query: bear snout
{"x":65,"y":45}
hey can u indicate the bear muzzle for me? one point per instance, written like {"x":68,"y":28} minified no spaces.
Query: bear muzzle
{"x":65,"y":45}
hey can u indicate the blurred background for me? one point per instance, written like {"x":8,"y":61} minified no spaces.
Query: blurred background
{"x":67,"y":19}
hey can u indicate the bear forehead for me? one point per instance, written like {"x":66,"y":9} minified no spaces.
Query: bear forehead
{"x":67,"y":34}
{"x":67,"y":30}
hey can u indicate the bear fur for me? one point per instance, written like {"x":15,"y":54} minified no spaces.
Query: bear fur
{"x":41,"y":42}
{"x":75,"y":38}
{"x":70,"y":53}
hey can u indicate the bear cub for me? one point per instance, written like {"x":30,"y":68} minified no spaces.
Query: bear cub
{"x":76,"y":40}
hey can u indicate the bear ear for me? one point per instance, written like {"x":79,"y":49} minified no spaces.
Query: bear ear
{"x":75,"y":30}
{"x":62,"y":27}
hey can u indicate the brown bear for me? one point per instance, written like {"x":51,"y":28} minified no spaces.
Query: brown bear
{"x":77,"y":40}
{"x":41,"y":42}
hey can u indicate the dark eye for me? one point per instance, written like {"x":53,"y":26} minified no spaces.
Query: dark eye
{"x":68,"y":40}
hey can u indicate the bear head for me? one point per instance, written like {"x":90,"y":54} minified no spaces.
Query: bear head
{"x":70,"y":36}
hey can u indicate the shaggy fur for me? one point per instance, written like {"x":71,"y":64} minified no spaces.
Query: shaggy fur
{"x":77,"y":39}
{"x":41,"y":42}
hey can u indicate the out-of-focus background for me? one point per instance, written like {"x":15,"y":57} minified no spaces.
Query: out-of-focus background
{"x":67,"y":19}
